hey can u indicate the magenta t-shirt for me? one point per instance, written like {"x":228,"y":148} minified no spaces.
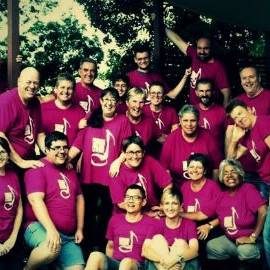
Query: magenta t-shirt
{"x":260,"y":104}
{"x":164,"y":119}
{"x":101,"y":146}
{"x":61,"y":188}
{"x":128,"y":237}
{"x":63,"y":120}
{"x":150,"y":175}
{"x":176,"y":151}
{"x":237,"y":213}
{"x":214,"y":71}
{"x":144,"y":80}
{"x":19,"y":122}
{"x":204,"y":200}
{"x":186,"y":231}
{"x":254,"y":141}
{"x":9,"y":200}
{"x":214,"y":119}
{"x":121,"y":107}
{"x":87,"y":97}
{"x":146,"y":129}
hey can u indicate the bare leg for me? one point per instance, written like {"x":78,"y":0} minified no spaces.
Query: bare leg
{"x":96,"y":261}
{"x":128,"y":264}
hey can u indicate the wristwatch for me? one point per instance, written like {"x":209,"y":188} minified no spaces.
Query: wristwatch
{"x":180,"y":259}
{"x":253,"y":237}
{"x":211,"y":226}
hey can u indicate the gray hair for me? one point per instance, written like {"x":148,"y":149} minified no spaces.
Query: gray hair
{"x":236,"y":166}
{"x":135,"y":91}
{"x":189,"y":109}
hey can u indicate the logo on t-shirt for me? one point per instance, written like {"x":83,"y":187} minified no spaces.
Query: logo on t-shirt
{"x":185,"y":167}
{"x":29,"y":131}
{"x":62,"y":127}
{"x":100,"y":149}
{"x":253,"y":152}
{"x":126,"y":243}
{"x":195,"y":207}
{"x":142,"y":182}
{"x":159,"y":123}
{"x":63,"y":186}
{"x":194,"y":77}
{"x":9,"y":198}
{"x":229,"y":222}
{"x":206,"y":124}
{"x":87,"y":104}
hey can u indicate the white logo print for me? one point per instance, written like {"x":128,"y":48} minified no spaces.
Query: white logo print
{"x":229,"y":222}
{"x":29,"y":131}
{"x":62,"y":127}
{"x":87,"y":105}
{"x":100,"y":149}
{"x":63,"y":186}
{"x":195,"y":207}
{"x":9,"y":198}
{"x":253,"y":152}
{"x":194,"y":77}
{"x":159,"y":123}
{"x":126,"y":243}
{"x":142,"y":182}
{"x":206,"y":124}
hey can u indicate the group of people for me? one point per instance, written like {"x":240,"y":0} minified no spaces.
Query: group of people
{"x":117,"y":179}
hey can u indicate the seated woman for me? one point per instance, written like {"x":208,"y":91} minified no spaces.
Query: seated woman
{"x":241,"y":213}
{"x":175,"y":244}
{"x":10,"y":211}
{"x":141,"y":169}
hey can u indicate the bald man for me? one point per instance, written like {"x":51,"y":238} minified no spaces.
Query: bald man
{"x":20,"y":118}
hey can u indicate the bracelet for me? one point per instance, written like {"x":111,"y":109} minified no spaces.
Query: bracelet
{"x":180,"y":259}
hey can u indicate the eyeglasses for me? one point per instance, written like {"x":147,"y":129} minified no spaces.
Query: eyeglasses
{"x":133,"y":198}
{"x":111,"y":100}
{"x":59,"y":148}
{"x":3,"y":153}
{"x":159,"y":94}
{"x":135,"y":153}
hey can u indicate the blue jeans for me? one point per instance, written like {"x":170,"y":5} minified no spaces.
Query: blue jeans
{"x":266,"y":237}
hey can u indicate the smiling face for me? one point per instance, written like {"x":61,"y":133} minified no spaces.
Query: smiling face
{"x":250,"y":81}
{"x":88,"y":72}
{"x":57,"y":153}
{"x":134,"y":155}
{"x":134,"y":201}
{"x":142,"y":59}
{"x":189,"y":124}
{"x":121,"y":86}
{"x":204,"y":49}
{"x":231,"y":178}
{"x":135,"y":104}
{"x":196,"y":170}
{"x":242,"y":117}
{"x":28,"y":84}
{"x":204,"y":93}
{"x":156,"y":95}
{"x":3,"y":157}
{"x":171,"y":206}
{"x":108,"y":105}
{"x":64,"y":91}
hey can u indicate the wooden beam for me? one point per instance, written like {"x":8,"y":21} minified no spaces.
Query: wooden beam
{"x":13,"y":41}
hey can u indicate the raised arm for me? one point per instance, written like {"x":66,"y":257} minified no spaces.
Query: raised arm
{"x":177,"y":40}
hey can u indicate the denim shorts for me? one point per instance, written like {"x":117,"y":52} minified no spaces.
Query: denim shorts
{"x":70,"y":254}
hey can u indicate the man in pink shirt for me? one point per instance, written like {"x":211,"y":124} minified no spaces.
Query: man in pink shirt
{"x":203,"y":65}
{"x":20,"y":118}
{"x":126,"y":235}
{"x":62,"y":114}
{"x":86,"y":93}
{"x":54,"y":213}
{"x":255,"y":96}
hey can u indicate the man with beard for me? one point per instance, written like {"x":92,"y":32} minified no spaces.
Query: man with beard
{"x":86,"y":93}
{"x":212,"y":115}
{"x":203,"y":65}
{"x":255,"y":97}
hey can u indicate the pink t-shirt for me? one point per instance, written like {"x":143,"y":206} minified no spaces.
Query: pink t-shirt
{"x":121,"y":107}
{"x":186,"y":230}
{"x":101,"y":146}
{"x":63,"y":120}
{"x":87,"y":97}
{"x":164,"y":119}
{"x":150,"y":175}
{"x":9,"y":200}
{"x":144,"y":80}
{"x":19,"y":122}
{"x":176,"y":150}
{"x":61,"y":188}
{"x":214,"y":119}
{"x":254,"y":141}
{"x":208,"y":70}
{"x":237,"y":213}
{"x":128,"y":237}
{"x":146,"y":129}
{"x":204,"y":200}
{"x":260,"y":105}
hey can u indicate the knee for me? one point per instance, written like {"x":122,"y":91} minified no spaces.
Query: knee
{"x":247,"y":252}
{"x":96,"y":256}
{"x":215,"y":251}
{"x":127,"y":263}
